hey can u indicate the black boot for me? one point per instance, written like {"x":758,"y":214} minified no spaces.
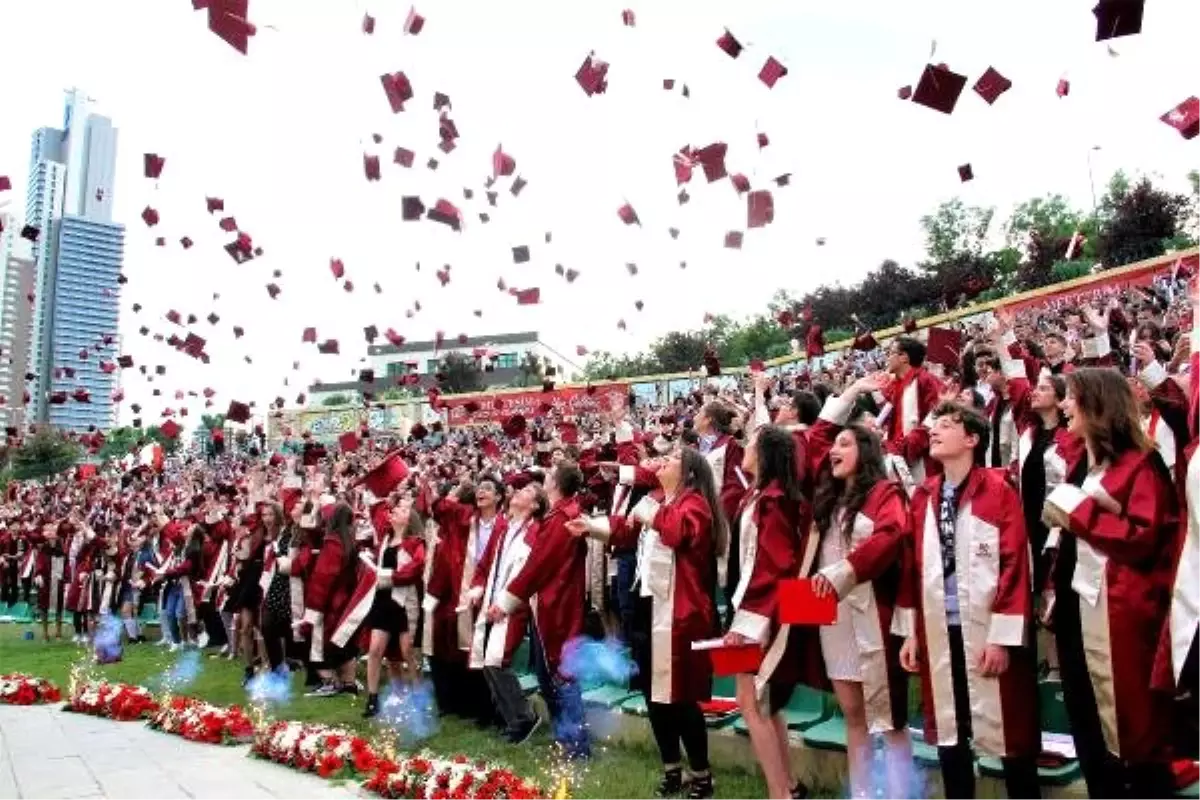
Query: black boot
{"x":799,"y":791}
{"x":671,"y":783}
{"x":372,"y":708}
{"x":700,"y":787}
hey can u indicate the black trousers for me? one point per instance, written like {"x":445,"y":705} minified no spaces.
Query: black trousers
{"x":676,"y":723}
{"x":461,"y":691}
{"x":10,"y":584}
{"x":276,"y":632}
{"x":958,"y":762}
{"x":1106,"y":775}
{"x":213,"y":625}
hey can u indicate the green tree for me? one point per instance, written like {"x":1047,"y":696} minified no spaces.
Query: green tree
{"x":1051,"y":215}
{"x":119,"y":442}
{"x":760,"y":337}
{"x":680,"y":351}
{"x":155,"y":434}
{"x":397,"y":393}
{"x":459,"y":373}
{"x":45,"y":453}
{"x":530,"y":372}
{"x":954,"y":228}
{"x":212,"y":422}
{"x":336,"y":400}
{"x":1139,"y":220}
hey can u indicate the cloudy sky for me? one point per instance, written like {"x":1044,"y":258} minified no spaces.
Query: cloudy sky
{"x":280,"y":135}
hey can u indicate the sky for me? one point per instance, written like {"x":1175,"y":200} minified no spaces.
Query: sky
{"x":280,"y":135}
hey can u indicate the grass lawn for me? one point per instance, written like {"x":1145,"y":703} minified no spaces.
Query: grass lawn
{"x":616,"y":770}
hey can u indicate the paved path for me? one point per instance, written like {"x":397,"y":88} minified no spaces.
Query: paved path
{"x":45,"y":752}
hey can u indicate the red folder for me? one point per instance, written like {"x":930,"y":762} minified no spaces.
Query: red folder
{"x":734,"y":660}
{"x":799,"y":606}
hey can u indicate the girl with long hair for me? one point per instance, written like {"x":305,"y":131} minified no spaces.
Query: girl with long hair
{"x":678,"y":530}
{"x":1112,"y":582}
{"x":399,"y":566}
{"x":714,"y":424}
{"x":769,"y":551}
{"x":327,"y":593}
{"x":862,"y":519}
{"x":283,"y":595}
{"x":247,"y":593}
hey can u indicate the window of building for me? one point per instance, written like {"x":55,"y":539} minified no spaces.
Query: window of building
{"x":505,"y":361}
{"x":431,"y":366}
{"x":397,"y":368}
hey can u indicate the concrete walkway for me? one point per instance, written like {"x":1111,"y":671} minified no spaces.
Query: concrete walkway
{"x":45,"y":752}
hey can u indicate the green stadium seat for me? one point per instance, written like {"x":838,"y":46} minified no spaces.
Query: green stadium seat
{"x":1053,"y":776}
{"x":828,"y":734}
{"x":606,"y":696}
{"x":149,"y":615}
{"x":636,"y":705}
{"x":806,"y":708}
{"x":1189,"y":791}
{"x":1052,"y":709}
{"x":529,"y":683}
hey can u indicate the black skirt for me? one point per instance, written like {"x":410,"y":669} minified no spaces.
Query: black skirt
{"x":386,"y":614}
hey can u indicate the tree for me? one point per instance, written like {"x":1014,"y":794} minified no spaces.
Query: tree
{"x":760,"y":337}
{"x":530,"y":372}
{"x":459,"y":373}
{"x":45,"y":453}
{"x":119,"y":442}
{"x":955,"y":228}
{"x":1045,"y":216}
{"x":397,"y":393}
{"x":679,"y":351}
{"x":155,"y":434}
{"x":336,"y":400}
{"x":212,"y":422}
{"x":1139,"y":221}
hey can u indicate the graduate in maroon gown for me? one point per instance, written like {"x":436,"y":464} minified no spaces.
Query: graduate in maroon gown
{"x":965,"y":607}
{"x":1113,"y":577}
{"x":556,"y":574}
{"x":327,"y":595}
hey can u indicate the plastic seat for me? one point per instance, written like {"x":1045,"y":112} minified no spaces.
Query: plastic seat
{"x":1189,"y":791}
{"x":604,"y":696}
{"x":1053,"y":776}
{"x":828,"y":734}
{"x":529,"y":682}
{"x":806,"y":708}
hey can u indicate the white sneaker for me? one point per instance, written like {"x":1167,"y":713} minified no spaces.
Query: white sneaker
{"x":174,"y":648}
{"x":163,"y":642}
{"x":202,"y":640}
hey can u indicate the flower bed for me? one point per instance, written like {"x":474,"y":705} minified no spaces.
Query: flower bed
{"x":337,"y":753}
{"x":26,"y":690}
{"x":198,"y":721}
{"x":119,"y":701}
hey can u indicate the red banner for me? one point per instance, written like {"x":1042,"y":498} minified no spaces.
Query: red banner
{"x":1109,"y":283}
{"x":566,"y":402}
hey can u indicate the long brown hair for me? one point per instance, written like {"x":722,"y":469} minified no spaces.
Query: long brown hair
{"x":1112,"y":424}
{"x":341,"y":525}
{"x":696,"y":474}
{"x":850,"y":495}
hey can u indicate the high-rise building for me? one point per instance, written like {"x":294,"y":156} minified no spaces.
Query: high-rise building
{"x":17,"y":275}
{"x":79,"y":256}
{"x":85,"y":322}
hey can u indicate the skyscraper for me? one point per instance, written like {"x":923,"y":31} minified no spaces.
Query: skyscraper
{"x":78,"y":255}
{"x":17,"y":271}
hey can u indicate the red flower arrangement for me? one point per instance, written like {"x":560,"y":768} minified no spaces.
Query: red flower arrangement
{"x":25,"y":690}
{"x":336,"y":753}
{"x":119,"y":701}
{"x":198,"y":721}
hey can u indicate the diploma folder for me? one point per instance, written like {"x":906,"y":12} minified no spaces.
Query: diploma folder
{"x":798,"y":605}
{"x":731,"y":660}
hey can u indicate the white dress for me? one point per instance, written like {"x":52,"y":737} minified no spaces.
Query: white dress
{"x":839,"y":646}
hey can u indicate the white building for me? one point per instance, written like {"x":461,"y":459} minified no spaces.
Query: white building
{"x":17,"y":277}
